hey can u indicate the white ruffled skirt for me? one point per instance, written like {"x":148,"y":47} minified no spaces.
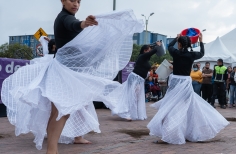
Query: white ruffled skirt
{"x":183,"y":115}
{"x":129,"y":99}
{"x":76,"y":77}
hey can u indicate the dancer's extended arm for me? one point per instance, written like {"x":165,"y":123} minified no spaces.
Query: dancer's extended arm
{"x":73,"y":24}
{"x":198,"y":55}
{"x":149,"y":54}
{"x":171,"y":48}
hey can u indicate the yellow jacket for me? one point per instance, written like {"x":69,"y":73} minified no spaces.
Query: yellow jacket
{"x":196,"y":76}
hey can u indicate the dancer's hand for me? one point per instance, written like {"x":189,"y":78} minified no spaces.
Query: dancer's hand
{"x":200,"y":37}
{"x":46,"y":38}
{"x":158,"y":43}
{"x":90,"y":21}
{"x":178,"y":35}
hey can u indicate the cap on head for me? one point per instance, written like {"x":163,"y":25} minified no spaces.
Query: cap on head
{"x":220,"y":60}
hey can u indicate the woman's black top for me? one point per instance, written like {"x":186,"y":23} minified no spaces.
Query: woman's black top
{"x":142,"y":65}
{"x":66,"y":28}
{"x":183,"y":60}
{"x":50,"y":52}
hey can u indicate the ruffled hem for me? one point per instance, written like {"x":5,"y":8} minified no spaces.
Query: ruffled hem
{"x":183,"y":115}
{"x":129,"y":99}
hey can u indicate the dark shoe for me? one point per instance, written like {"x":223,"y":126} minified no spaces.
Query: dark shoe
{"x":213,"y":106}
{"x":159,"y":142}
{"x":223,"y":107}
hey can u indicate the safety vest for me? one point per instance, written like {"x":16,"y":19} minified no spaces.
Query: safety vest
{"x":219,"y":72}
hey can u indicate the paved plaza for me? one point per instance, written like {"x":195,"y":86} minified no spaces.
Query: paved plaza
{"x":121,"y":137}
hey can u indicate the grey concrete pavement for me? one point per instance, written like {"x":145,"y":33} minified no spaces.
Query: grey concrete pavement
{"x":121,"y":137}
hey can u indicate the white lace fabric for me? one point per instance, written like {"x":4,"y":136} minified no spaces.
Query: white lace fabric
{"x":129,"y":99}
{"x":95,"y":55}
{"x":77,"y":76}
{"x":183,"y":115}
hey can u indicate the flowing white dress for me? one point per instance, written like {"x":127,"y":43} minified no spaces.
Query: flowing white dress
{"x":183,"y":115}
{"x":129,"y":99}
{"x":78,"y":74}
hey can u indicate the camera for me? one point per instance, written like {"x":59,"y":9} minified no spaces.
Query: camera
{"x":153,"y":45}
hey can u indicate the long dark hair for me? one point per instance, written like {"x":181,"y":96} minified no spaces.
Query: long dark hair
{"x":144,"y":47}
{"x":50,"y":46}
{"x":185,"y":42}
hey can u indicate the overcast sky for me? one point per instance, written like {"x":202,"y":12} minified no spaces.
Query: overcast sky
{"x":20,"y":17}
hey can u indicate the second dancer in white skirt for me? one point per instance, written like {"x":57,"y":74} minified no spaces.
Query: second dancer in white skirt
{"x":129,"y":98}
{"x":182,"y":114}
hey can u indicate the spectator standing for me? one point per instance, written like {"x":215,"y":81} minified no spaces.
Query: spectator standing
{"x":228,"y":81}
{"x":221,"y":76}
{"x":232,"y":87}
{"x":227,"y":84}
{"x":199,"y":66}
{"x":196,"y":76}
{"x":207,"y":74}
{"x":203,"y":68}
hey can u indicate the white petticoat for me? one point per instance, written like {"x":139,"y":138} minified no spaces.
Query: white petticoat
{"x":129,"y":99}
{"x":182,"y":114}
{"x":80,"y":72}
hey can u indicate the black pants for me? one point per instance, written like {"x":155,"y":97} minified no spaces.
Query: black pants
{"x":219,"y":87}
{"x":207,"y":92}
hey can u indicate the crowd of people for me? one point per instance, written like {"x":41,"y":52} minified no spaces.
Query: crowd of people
{"x":210,"y":84}
{"x":155,"y":88}
{"x":217,"y":83}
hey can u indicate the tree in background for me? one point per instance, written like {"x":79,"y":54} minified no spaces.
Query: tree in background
{"x":135,"y":53}
{"x":154,"y":59}
{"x":3,"y":47}
{"x":16,"y":51}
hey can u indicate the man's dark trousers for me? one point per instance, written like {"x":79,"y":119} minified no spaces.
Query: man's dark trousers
{"x":219,"y":86}
{"x":207,"y":92}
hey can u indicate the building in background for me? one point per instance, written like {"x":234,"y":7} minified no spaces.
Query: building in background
{"x":28,"y":40}
{"x":140,"y":38}
{"x":169,"y":40}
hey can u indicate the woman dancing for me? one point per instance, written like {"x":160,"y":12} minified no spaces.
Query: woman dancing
{"x":130,"y":103}
{"x":51,"y":44}
{"x":182,"y":114}
{"x":54,"y":97}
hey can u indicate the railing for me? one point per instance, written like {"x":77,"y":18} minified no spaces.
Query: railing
{"x":22,"y":54}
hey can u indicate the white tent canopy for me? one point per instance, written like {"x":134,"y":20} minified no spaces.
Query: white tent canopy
{"x":229,"y":41}
{"x":214,"y":51}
